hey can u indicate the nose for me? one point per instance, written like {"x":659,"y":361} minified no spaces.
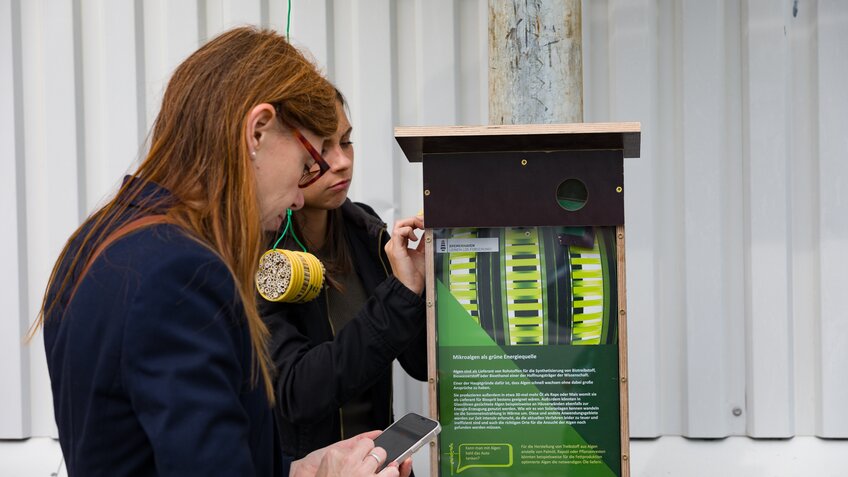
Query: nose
{"x":298,"y":201}
{"x":337,"y":159}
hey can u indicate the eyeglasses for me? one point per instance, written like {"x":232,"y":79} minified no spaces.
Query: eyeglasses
{"x":310,"y":174}
{"x":317,"y":169}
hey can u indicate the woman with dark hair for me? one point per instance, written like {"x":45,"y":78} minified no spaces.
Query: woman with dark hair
{"x":344,"y":341}
{"x":157,"y":354}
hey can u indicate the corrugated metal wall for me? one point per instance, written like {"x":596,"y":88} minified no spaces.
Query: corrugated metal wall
{"x":736,"y":212}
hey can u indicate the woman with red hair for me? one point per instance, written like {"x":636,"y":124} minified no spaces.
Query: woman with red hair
{"x":157,"y":354}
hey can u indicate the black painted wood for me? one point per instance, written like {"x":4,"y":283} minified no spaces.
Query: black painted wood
{"x":494,"y":189}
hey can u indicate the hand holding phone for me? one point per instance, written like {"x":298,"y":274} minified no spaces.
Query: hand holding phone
{"x":405,"y":436}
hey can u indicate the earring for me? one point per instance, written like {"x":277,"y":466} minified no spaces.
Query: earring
{"x":253,"y":154}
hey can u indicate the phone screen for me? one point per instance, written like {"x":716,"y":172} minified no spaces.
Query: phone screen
{"x":405,"y":435}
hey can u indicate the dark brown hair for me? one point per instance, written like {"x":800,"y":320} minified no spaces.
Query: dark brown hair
{"x":337,"y":258}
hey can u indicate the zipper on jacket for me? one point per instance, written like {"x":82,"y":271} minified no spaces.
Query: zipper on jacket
{"x":341,"y":425}
{"x":391,"y":366}
{"x":391,"y":393}
{"x":330,"y":320}
{"x":333,"y":331}
{"x":379,"y":251}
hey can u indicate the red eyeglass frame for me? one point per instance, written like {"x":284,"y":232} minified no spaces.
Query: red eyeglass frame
{"x":310,"y":176}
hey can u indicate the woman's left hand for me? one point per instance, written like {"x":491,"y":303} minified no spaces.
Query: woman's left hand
{"x":407,"y":264}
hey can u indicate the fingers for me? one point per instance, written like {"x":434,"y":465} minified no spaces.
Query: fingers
{"x":355,"y":457}
{"x":410,"y":223}
{"x":361,"y":447}
{"x":404,"y":232}
{"x":367,"y":435}
{"x":375,"y":458}
{"x":420,"y":247}
{"x":390,"y":471}
{"x":416,"y":221}
{"x":350,"y":443}
{"x":407,"y":264}
{"x":405,"y":468}
{"x":395,"y":470}
{"x":370,"y":458}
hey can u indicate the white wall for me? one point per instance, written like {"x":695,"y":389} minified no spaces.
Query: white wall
{"x":734,"y":239}
{"x":736,"y":211}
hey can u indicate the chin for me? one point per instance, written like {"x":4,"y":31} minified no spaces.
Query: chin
{"x":330,"y":204}
{"x":327,"y":203}
{"x":337,"y":202}
{"x":272,"y":224}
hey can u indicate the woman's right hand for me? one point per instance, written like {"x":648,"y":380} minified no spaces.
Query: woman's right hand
{"x":407,"y":264}
{"x":356,"y":457}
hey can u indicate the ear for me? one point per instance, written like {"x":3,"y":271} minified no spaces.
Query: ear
{"x":260,"y":121}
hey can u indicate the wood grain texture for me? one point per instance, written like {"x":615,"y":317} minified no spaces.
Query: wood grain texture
{"x":535,"y":62}
{"x":621,"y":273}
{"x":418,"y":141}
{"x":432,"y":372}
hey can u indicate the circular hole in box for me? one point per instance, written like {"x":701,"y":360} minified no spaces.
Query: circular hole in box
{"x":571,"y":195}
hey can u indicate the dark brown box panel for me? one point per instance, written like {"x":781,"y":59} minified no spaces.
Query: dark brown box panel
{"x":512,"y":189}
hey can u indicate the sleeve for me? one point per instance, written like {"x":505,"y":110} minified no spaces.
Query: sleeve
{"x":185,"y":363}
{"x":414,"y":358}
{"x":315,"y":379}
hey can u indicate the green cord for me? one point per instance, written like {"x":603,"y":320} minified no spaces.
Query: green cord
{"x":288,"y":225}
{"x":298,"y":241}
{"x":288,"y":23}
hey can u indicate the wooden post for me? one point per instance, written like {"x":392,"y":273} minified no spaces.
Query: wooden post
{"x":535,"y":62}
{"x":536,"y":77}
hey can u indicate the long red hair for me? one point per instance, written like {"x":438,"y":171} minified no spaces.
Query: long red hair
{"x":199,"y":153}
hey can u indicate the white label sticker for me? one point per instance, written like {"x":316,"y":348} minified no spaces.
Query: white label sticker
{"x":476,"y":245}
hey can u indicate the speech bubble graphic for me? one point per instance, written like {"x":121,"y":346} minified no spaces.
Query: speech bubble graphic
{"x":484,"y":455}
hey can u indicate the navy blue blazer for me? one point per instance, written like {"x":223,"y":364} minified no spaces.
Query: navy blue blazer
{"x":150,"y":366}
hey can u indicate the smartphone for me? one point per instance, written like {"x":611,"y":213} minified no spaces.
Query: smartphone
{"x":406,"y":436}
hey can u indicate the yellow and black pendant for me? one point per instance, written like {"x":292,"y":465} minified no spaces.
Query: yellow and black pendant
{"x":289,"y":276}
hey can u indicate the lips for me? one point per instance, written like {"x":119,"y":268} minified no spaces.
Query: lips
{"x":340,"y":185}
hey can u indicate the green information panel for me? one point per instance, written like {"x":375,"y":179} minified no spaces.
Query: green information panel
{"x":528,"y":378}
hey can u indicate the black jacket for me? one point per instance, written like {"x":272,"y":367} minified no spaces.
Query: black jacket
{"x":317,"y":372}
